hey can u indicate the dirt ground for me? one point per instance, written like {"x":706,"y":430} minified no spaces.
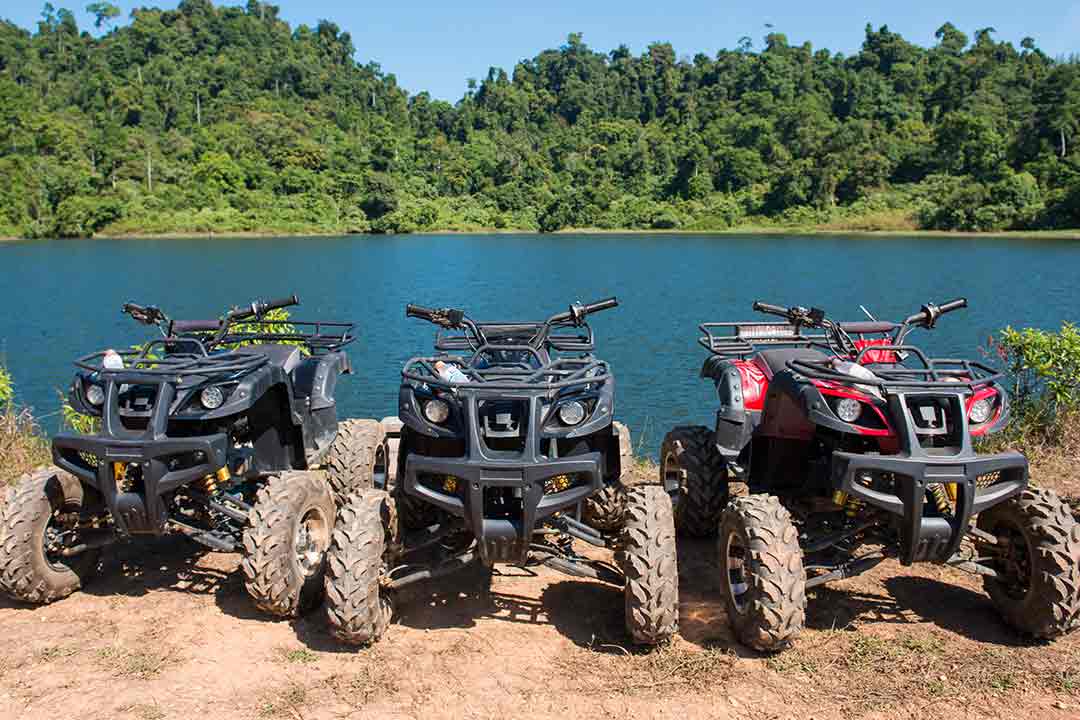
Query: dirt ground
{"x":168,"y":632}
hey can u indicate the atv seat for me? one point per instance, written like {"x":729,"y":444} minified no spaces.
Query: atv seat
{"x":777,"y":359}
{"x":286,"y":357}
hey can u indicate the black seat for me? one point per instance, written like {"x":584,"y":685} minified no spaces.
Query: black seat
{"x":777,"y":359}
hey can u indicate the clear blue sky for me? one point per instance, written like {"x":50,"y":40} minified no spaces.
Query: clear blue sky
{"x":436,"y":45}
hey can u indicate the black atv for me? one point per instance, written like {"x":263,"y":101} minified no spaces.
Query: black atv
{"x":214,"y":431}
{"x":506,"y":455}
{"x":856,"y":446}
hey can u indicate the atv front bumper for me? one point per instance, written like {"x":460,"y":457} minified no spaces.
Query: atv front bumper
{"x":132,"y":474}
{"x":502,"y":501}
{"x":898,"y":484}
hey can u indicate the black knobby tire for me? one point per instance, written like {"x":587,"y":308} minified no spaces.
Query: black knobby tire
{"x":285,"y":544}
{"x":647,"y":558}
{"x":350,"y":464}
{"x":358,"y":608}
{"x":694,"y":470}
{"x":606,"y":509}
{"x":1048,"y":604}
{"x":762,"y":577}
{"x":26,"y":572}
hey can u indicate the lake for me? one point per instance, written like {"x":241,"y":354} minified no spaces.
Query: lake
{"x":63,"y":297}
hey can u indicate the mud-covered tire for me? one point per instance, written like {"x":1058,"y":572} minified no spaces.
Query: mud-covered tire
{"x":1050,"y":604}
{"x":647,"y":557}
{"x":277,"y":578}
{"x":765,"y":593}
{"x":694,"y":471}
{"x":358,"y":608}
{"x":605,"y":510}
{"x":26,"y":573}
{"x":357,"y":449}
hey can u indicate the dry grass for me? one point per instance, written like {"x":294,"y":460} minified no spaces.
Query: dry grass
{"x":669,"y":670}
{"x":22,"y":445}
{"x":862,"y":672}
{"x":881,"y":220}
{"x":140,"y":663}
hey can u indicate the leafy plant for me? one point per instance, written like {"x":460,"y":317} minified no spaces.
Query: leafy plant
{"x":7,"y":392}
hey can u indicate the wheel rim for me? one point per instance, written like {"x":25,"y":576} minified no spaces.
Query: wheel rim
{"x":311,"y":541}
{"x":735,"y":562}
{"x":379,"y":474}
{"x":60,"y":533}
{"x":674,"y":477}
{"x":1016,"y":561}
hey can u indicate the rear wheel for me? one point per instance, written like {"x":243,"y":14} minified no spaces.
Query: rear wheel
{"x":696,"y":474}
{"x":1038,"y":561}
{"x":39,"y":526}
{"x":356,"y":456}
{"x":358,"y":608}
{"x":648,"y":559}
{"x":605,"y":510}
{"x":762,"y":577}
{"x":286,"y":541}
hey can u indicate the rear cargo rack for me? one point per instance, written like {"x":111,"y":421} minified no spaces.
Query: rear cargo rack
{"x":936,"y":373}
{"x":739,"y":339}
{"x":445,"y":342}
{"x":317,"y":336}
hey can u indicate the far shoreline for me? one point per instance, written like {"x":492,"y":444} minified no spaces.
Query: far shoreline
{"x":750,"y":230}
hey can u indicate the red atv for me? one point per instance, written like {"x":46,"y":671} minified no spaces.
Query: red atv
{"x":856,"y":446}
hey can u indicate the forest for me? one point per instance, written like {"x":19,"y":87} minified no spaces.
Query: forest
{"x":226,"y":119}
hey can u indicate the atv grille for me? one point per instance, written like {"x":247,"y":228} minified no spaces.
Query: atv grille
{"x":504,"y":424}
{"x":988,"y":479}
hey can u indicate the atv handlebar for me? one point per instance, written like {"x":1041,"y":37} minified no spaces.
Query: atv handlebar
{"x":419,"y":311}
{"x":578,"y":311}
{"x":259,"y":308}
{"x":930,"y":312}
{"x":771,"y":309}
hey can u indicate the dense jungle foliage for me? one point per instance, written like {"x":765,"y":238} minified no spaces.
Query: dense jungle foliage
{"x":225,"y":119}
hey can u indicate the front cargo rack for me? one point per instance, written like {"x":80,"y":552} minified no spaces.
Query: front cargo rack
{"x":557,"y":374}
{"x":565,"y":342}
{"x":937,"y":373}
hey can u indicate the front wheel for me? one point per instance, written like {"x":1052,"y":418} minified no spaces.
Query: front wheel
{"x":39,"y":529}
{"x":358,"y":607}
{"x":648,"y":559}
{"x":762,"y":577}
{"x":286,"y":540}
{"x":1037,"y":557}
{"x":357,"y":457}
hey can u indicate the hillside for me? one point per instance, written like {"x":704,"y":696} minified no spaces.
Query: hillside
{"x":209,"y":118}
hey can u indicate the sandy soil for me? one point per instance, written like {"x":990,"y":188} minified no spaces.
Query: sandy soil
{"x":167,"y":631}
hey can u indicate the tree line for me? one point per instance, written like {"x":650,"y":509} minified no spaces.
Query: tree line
{"x":228,"y":119}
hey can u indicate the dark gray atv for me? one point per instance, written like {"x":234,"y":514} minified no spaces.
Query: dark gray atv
{"x":506,"y":454}
{"x":224,"y":431}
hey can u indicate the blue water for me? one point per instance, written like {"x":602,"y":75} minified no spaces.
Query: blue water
{"x":63,"y":297}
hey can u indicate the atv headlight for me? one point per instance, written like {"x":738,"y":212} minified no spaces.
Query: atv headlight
{"x":95,"y":395}
{"x":212,"y":397}
{"x":436,"y":411}
{"x":848,"y":409}
{"x":981,"y":410}
{"x":571,"y":413}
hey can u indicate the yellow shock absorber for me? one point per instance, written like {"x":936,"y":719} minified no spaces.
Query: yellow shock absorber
{"x":950,"y":490}
{"x":941,"y":497}
{"x":839,"y":498}
{"x":852,"y":506}
{"x":210,"y":482}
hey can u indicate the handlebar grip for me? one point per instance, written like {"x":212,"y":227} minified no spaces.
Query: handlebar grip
{"x":280,"y":303}
{"x":956,"y":304}
{"x":181,"y":326}
{"x":599,"y":305}
{"x":130,"y":308}
{"x":771,"y":309}
{"x":419,"y":311}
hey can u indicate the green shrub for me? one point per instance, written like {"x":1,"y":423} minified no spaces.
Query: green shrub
{"x":7,"y":393}
{"x":1045,"y":371}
